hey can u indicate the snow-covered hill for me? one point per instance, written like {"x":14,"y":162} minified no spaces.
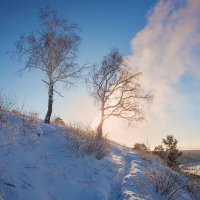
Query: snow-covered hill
{"x":36,"y":164}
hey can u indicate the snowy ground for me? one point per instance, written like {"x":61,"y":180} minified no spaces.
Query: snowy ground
{"x":35,"y":164}
{"x":193,"y":168}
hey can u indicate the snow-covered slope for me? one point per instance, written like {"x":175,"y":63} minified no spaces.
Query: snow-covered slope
{"x":35,"y":164}
{"x":193,"y":168}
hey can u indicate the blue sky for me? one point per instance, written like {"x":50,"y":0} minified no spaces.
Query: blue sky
{"x":150,"y":32}
{"x":103,"y":25}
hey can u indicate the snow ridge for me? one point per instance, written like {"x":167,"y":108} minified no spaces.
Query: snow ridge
{"x":35,"y":163}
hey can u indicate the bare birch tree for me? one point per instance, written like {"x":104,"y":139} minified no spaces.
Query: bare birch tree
{"x":53,"y":50}
{"x":116,"y":89}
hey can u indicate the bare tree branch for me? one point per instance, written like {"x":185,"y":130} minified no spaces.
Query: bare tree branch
{"x":117,"y":90}
{"x":52,"y":49}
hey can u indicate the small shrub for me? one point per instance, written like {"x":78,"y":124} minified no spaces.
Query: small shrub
{"x":83,"y":141}
{"x":58,"y":121}
{"x":170,"y":182}
{"x":160,"y":151}
{"x":17,"y":112}
{"x":33,"y":117}
{"x":140,"y":147}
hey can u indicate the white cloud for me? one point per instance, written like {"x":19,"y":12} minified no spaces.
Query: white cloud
{"x":165,"y":50}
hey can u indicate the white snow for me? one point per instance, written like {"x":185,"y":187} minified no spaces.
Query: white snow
{"x":193,"y":168}
{"x":35,"y":164}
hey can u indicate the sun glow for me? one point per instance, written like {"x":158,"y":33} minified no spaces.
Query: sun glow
{"x":110,"y":126}
{"x":96,"y":122}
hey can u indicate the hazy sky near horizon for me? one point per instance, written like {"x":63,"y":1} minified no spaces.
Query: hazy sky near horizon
{"x":161,"y":38}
